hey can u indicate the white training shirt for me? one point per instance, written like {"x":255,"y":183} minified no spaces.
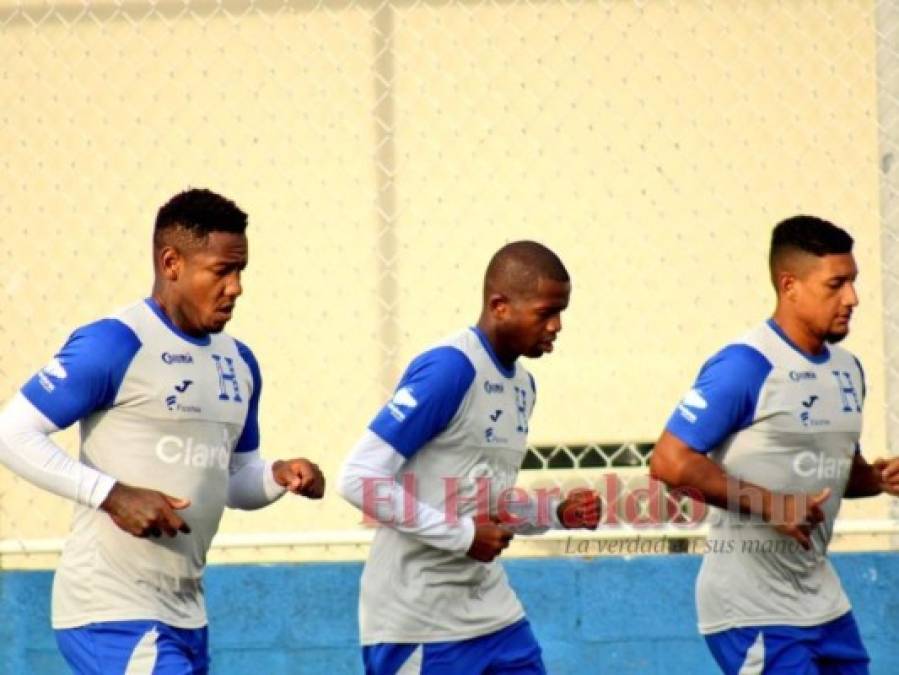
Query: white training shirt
{"x":459,"y":418}
{"x":775,"y":416}
{"x":158,"y":409}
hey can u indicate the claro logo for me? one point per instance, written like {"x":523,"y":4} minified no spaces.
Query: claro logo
{"x":810,"y":465}
{"x":189,"y":452}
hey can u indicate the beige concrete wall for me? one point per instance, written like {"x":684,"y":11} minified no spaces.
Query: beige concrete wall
{"x":653,"y":145}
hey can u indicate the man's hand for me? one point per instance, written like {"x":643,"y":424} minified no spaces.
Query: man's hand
{"x":490,"y":539}
{"x":581,"y":509}
{"x":797,"y":515}
{"x":300,"y":476}
{"x":145,"y":513}
{"x":888,"y":472}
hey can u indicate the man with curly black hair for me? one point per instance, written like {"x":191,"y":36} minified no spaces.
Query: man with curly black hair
{"x":167,"y":405}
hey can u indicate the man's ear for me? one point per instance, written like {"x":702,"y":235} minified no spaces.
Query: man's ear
{"x":498,"y":304}
{"x":169,"y":262}
{"x":786,"y":284}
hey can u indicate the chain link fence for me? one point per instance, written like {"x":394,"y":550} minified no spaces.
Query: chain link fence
{"x":384,"y":150}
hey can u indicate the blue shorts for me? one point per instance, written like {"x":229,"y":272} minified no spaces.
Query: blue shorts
{"x":510,"y":651}
{"x":138,"y":647}
{"x":832,"y":648}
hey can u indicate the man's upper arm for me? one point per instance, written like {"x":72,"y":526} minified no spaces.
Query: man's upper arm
{"x":425,"y":400}
{"x":86,"y":373}
{"x":723,"y":399}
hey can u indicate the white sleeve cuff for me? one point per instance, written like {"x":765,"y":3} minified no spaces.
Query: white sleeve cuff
{"x":272,"y":489}
{"x":251,"y":483}
{"x":101,"y":490}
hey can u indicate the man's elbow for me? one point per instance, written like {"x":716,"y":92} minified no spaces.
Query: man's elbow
{"x":234,"y":503}
{"x":657,"y":468}
{"x":240,"y":502}
{"x":662,"y":468}
{"x":346,"y":483}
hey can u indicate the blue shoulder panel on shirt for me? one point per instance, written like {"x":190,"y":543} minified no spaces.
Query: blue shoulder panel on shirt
{"x":249,"y":437}
{"x":426,"y":399}
{"x":86,"y":374}
{"x":858,"y":447}
{"x":723,"y":399}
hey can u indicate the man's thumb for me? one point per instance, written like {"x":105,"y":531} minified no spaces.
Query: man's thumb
{"x":821,"y":497}
{"x":177,"y":502}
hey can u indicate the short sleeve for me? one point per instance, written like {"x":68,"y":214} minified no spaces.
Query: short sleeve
{"x":249,"y":437}
{"x":86,"y":373}
{"x":723,"y":399}
{"x":861,"y":372}
{"x":425,"y":401}
{"x":533,"y":390}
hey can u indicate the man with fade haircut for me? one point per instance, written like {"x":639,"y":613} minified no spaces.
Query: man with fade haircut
{"x":769,"y":434}
{"x":437,"y":468}
{"x":169,"y":436}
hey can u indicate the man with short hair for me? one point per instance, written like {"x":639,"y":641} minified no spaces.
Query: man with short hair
{"x":769,"y":434}
{"x":169,"y":436}
{"x":437,"y":467}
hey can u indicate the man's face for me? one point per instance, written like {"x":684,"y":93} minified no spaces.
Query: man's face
{"x":531,"y":321}
{"x":208,"y":281}
{"x":823,"y":296}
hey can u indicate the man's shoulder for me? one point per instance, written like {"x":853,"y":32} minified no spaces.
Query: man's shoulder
{"x":464,"y":341}
{"x":466,"y":349}
{"x":450,"y":351}
{"x":226,"y":339}
{"x":110,"y":337}
{"x":137,"y":317}
{"x":243,"y":349}
{"x":770,"y":341}
{"x":760,"y":345}
{"x":442,"y":370}
{"x":748,"y":352}
{"x":759,"y":338}
{"x":86,"y":373}
{"x":444,"y":358}
{"x":471,"y":346}
{"x":842,"y":355}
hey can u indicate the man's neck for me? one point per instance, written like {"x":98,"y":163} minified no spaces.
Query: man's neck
{"x":170,"y":307}
{"x":799,"y":333}
{"x":505,"y":357}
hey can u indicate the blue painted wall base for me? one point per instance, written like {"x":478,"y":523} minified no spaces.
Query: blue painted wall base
{"x":606,"y":615}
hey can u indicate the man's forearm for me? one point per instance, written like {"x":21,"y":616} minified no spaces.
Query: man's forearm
{"x":864,"y":480}
{"x":537,"y":512}
{"x":370,"y":475}
{"x":250,"y":482}
{"x":716,"y":487}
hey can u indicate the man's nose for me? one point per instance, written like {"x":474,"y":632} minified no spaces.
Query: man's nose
{"x":233,"y":288}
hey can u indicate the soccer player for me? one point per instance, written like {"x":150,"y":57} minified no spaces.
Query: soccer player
{"x":437,"y":468}
{"x":169,"y":436}
{"x":769,"y":434}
